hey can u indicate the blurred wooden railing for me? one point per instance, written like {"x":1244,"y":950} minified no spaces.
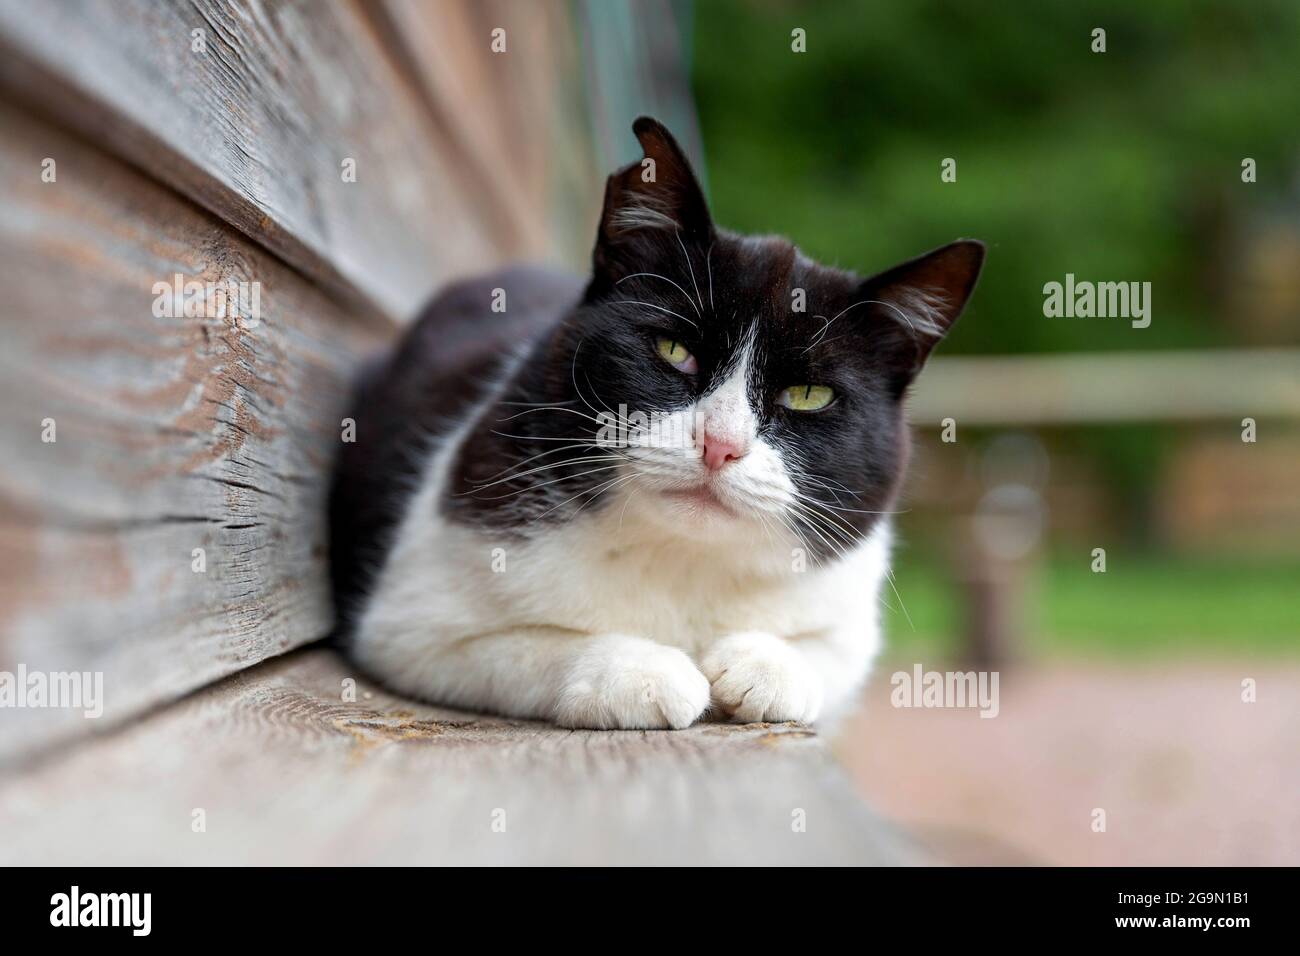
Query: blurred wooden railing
{"x":1105,"y":387}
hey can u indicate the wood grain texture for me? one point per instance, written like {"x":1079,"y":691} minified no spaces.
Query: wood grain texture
{"x":288,"y":772}
{"x":171,"y":434}
{"x":255,"y":127}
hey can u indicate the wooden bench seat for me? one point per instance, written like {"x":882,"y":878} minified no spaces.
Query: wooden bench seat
{"x":280,"y":769}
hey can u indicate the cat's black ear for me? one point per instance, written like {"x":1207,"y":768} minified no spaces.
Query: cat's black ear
{"x":651,"y":199}
{"x":916,"y":303}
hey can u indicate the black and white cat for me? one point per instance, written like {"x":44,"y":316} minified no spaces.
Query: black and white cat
{"x":618,"y":505}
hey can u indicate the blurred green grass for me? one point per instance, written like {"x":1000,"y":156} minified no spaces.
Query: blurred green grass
{"x":1145,"y":604}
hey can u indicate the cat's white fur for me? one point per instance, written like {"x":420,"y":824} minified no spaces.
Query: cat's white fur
{"x":636,"y":614}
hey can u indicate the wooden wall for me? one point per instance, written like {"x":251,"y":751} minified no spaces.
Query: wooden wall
{"x":223,"y":160}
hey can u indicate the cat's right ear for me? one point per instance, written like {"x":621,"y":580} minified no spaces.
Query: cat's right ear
{"x":656,"y":197}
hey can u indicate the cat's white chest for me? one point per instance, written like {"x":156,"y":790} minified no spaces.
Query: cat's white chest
{"x":607,"y":576}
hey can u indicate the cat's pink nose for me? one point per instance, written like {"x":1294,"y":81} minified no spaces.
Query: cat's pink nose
{"x":719,"y":451}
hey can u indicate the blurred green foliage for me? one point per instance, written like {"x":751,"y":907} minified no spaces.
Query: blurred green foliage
{"x":1123,"y":165}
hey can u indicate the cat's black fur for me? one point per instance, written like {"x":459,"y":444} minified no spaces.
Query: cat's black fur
{"x":405,"y":399}
{"x":594,"y":349}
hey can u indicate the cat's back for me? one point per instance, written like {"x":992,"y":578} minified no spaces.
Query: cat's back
{"x":408,"y":396}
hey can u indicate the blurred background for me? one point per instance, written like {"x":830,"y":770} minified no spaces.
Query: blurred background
{"x":1120,"y":689}
{"x":1107,"y":517}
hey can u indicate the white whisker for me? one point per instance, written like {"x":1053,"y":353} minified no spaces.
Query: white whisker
{"x":666,"y":279}
{"x":678,"y":234}
{"x":890,"y":572}
{"x":708,"y":264}
{"x":651,"y":305}
{"x":591,"y":459}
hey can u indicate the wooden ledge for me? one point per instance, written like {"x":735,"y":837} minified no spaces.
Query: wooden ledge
{"x":277,"y":767}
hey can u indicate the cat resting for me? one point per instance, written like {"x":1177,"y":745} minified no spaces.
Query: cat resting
{"x":498,"y":546}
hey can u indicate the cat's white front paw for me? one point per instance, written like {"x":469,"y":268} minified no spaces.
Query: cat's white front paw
{"x":621,"y":682}
{"x":759,"y":677}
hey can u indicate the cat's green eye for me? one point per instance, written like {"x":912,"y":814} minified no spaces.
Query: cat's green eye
{"x":675,"y":354}
{"x":806,"y":398}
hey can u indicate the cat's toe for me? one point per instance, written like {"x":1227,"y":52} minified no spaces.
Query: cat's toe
{"x":631,"y":683}
{"x":759,"y":677}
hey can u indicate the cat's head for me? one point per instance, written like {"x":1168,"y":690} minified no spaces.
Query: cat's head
{"x":739,"y":387}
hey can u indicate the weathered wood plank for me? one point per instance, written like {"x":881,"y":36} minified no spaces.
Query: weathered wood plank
{"x":518,"y":112}
{"x":256,"y":125}
{"x":171,"y":434}
{"x":285,"y":771}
